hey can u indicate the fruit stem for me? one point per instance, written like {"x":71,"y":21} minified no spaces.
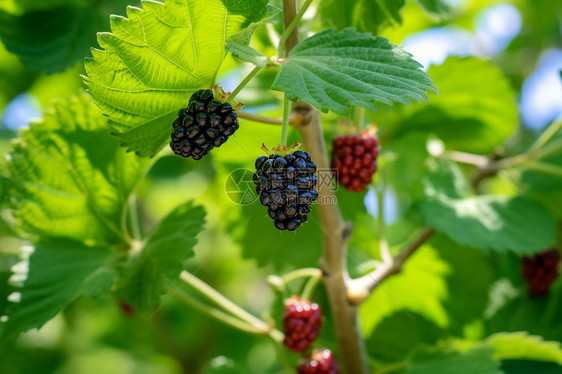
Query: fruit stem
{"x":301,"y":273}
{"x":134,"y":218}
{"x":282,"y":49}
{"x":309,"y":288}
{"x":244,"y":82}
{"x":217,"y":314}
{"x":285,"y":124}
{"x":383,"y":241}
{"x":223,"y":302}
{"x":545,"y":136}
{"x":359,"y":119}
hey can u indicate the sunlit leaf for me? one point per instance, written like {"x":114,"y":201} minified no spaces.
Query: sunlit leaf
{"x":475,"y":361}
{"x":70,"y":178}
{"x":154,"y":59}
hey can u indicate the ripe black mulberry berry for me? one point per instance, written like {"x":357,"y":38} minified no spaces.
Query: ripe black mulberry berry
{"x":322,"y":361}
{"x":206,"y":123}
{"x":540,"y":271}
{"x":286,"y":186}
{"x":301,"y":322}
{"x":355,"y":159}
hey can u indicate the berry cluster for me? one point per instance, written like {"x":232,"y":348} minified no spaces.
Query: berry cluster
{"x":205,"y":123}
{"x":355,"y":159}
{"x":540,"y":271}
{"x":301,"y":321}
{"x":285,"y":185}
{"x":321,"y":362}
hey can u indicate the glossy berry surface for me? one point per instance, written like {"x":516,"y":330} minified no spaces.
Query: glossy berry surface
{"x":540,"y":271}
{"x":354,"y":159}
{"x":286,"y":186}
{"x":206,"y":123}
{"x":321,"y":362}
{"x":302,"y":321}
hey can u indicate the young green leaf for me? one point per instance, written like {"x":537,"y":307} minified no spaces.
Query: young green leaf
{"x":246,"y":53}
{"x":56,"y":273}
{"x":70,"y":178}
{"x":162,"y":257}
{"x":154,"y":59}
{"x":492,"y":222}
{"x":522,"y":346}
{"x":337,"y":71}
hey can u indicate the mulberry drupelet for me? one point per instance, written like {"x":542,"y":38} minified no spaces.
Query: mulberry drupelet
{"x":321,"y":362}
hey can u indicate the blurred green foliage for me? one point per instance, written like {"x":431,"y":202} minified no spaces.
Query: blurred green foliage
{"x":437,"y":315}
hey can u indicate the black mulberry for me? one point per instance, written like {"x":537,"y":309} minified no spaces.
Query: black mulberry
{"x":286,"y":185}
{"x":206,"y":123}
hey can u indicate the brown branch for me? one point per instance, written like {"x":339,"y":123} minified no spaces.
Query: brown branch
{"x":360,"y":288}
{"x":333,"y":263}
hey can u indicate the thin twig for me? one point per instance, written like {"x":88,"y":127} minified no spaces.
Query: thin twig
{"x":294,"y":119}
{"x":360,"y":288}
{"x":217,"y":314}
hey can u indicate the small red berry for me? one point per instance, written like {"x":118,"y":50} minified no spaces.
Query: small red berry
{"x":540,"y":271}
{"x":321,"y":362}
{"x":301,"y":321}
{"x":355,"y":160}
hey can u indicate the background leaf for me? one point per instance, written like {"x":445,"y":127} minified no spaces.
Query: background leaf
{"x":154,"y":59}
{"x":70,"y":178}
{"x":335,"y":71}
{"x":497,"y":222}
{"x":522,"y":346}
{"x":57,"y":273}
{"x":475,"y":361}
{"x":162,"y":258}
{"x":475,"y":110}
{"x":364,"y":15}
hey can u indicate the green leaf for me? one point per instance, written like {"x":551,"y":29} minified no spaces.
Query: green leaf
{"x":387,"y":343}
{"x":475,"y":111}
{"x":437,"y":7}
{"x":168,"y":246}
{"x":522,"y":346}
{"x":70,"y":178}
{"x":364,"y":15}
{"x":56,"y":273}
{"x":526,"y":367}
{"x":154,"y":59}
{"x":337,"y":71}
{"x":476,"y":361}
{"x":246,"y":53}
{"x":491,"y":222}
{"x":49,"y":40}
{"x":420,"y":288}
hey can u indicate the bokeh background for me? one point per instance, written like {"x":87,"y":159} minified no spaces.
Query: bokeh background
{"x":507,"y":53}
